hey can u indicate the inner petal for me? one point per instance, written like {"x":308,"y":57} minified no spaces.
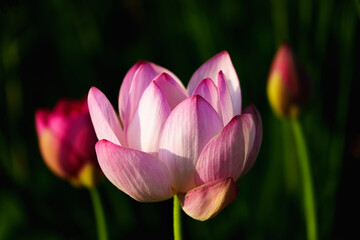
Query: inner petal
{"x":187,"y":130}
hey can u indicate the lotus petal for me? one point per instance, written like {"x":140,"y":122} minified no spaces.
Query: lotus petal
{"x":206,"y":201}
{"x":133,"y":86}
{"x":210,"y":69}
{"x":138,"y":174}
{"x":226,"y":154}
{"x":187,"y":130}
{"x":104,"y":118}
{"x":173,"y":91}
{"x":225,"y":102}
{"x":146,"y":126}
{"x":251,"y":109}
{"x":209,"y":92}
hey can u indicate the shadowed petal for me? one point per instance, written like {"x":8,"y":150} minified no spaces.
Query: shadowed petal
{"x":133,"y":86}
{"x":225,"y":102}
{"x":206,"y":201}
{"x":251,"y":109}
{"x":104,"y":118}
{"x":225,"y":155}
{"x":138,"y":174}
{"x":210,"y":69}
{"x":186,"y":132}
{"x":173,"y":91}
{"x":209,"y":92}
{"x":144,"y":129}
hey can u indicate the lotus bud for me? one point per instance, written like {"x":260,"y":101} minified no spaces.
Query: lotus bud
{"x":288,"y":84}
{"x":67,"y":142}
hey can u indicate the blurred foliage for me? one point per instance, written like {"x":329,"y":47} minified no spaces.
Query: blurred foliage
{"x":60,"y":48}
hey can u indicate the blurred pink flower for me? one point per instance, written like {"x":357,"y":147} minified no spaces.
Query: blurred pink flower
{"x":194,"y":143}
{"x":67,"y":141}
{"x":288,"y":85}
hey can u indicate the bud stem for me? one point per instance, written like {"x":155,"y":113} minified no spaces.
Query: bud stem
{"x":99,"y":214}
{"x":307,"y":184}
{"x":177,"y":219}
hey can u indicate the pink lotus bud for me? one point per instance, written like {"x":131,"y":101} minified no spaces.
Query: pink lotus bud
{"x":168,"y":140}
{"x":67,"y":142}
{"x":288,"y":85}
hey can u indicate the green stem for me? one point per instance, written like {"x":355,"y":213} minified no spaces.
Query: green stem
{"x":99,"y":214}
{"x":305,"y":172}
{"x":177,"y":219}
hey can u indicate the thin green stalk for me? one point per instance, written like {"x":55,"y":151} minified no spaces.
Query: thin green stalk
{"x":305,"y":173}
{"x":99,"y":214}
{"x":177,"y":219}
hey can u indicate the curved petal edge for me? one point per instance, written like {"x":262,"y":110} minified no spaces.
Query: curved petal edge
{"x":251,"y":109}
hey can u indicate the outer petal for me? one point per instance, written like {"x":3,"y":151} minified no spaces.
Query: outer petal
{"x":211,"y":68}
{"x":134,"y":84}
{"x":206,"y":201}
{"x":50,"y":148}
{"x":209,"y":92}
{"x":251,"y":109}
{"x":104,"y":118}
{"x":138,"y":174}
{"x":186,"y":132}
{"x":225,"y":155}
{"x":173,"y":91}
{"x":225,"y":101}
{"x":144,"y":129}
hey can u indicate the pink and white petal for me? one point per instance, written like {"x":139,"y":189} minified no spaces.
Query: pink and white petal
{"x":105,"y":120}
{"x":187,"y":130}
{"x":138,"y":174}
{"x":206,"y":201}
{"x":136,"y":81}
{"x":225,"y":101}
{"x":126,"y":84}
{"x":226,"y":154}
{"x":251,"y":109}
{"x":146,"y":126}
{"x":173,"y":91}
{"x":210,"y":69}
{"x":209,"y":92}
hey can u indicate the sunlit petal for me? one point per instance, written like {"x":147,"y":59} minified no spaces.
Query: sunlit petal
{"x":225,"y":102}
{"x":146,"y":126}
{"x":186,"y":132}
{"x":134,"y":85}
{"x":210,"y":69}
{"x":104,"y":118}
{"x":138,"y":174}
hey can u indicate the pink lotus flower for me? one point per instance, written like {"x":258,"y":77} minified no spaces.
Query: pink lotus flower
{"x":194,"y":143}
{"x":67,"y":139}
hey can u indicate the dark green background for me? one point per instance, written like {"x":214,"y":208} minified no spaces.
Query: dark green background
{"x":51,"y":49}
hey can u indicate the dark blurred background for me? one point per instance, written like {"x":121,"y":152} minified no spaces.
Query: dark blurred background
{"x":51,"y":49}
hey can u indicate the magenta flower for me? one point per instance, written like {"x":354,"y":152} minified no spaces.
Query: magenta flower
{"x":194,"y":143}
{"x":67,"y":139}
